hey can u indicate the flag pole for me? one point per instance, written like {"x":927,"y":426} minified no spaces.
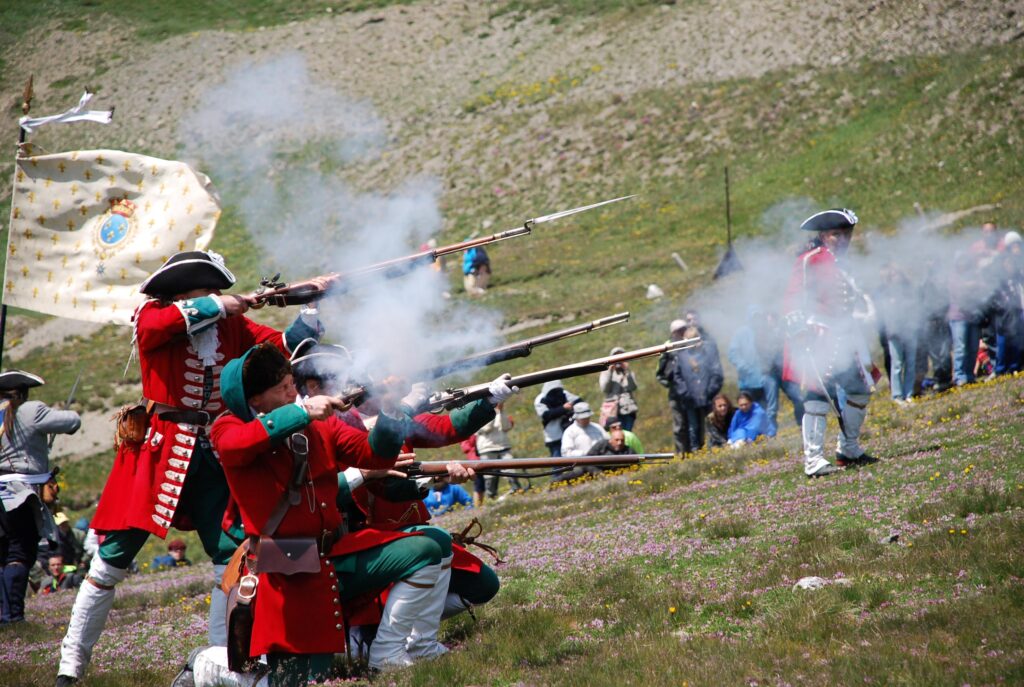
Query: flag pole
{"x":26,"y":105}
{"x":728,"y":210}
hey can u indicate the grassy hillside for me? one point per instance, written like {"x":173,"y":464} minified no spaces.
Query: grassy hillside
{"x":680,"y":574}
{"x":684,"y":573}
{"x":939,"y":131}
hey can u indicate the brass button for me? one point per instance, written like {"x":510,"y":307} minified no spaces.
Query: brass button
{"x":323,"y":505}
{"x":334,"y":587}
{"x":331,"y":574}
{"x":337,"y":613}
{"x":337,"y":601}
{"x":337,"y":627}
{"x":270,"y":423}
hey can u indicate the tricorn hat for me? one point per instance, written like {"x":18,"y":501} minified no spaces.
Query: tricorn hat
{"x":16,"y":379}
{"x":837,"y":218}
{"x":188,"y":270}
{"x":314,"y":360}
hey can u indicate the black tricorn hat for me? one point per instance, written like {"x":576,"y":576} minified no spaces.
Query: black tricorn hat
{"x":264,"y":367}
{"x":188,"y":270}
{"x":314,"y":360}
{"x":837,"y":218}
{"x":16,"y":379}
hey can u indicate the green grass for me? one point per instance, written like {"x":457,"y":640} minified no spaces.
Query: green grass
{"x":155,"y":21}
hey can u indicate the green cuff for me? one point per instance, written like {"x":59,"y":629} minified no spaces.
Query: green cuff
{"x":284,"y":421}
{"x":344,"y":498}
{"x":200,"y":313}
{"x":468,"y":419}
{"x":388,"y":435}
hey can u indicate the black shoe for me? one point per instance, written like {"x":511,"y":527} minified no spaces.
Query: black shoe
{"x":847,"y":462}
{"x":66,"y":681}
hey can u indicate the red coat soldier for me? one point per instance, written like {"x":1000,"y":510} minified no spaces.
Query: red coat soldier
{"x":184,"y":334}
{"x":396,"y":503}
{"x":825,"y":350}
{"x":281,"y":461}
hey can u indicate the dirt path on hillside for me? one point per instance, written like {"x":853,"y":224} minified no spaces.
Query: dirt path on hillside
{"x":421,"y":62}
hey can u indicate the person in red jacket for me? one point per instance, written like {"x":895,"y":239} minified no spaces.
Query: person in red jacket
{"x":184,"y":333}
{"x":280,"y":458}
{"x":825,"y":351}
{"x":392,"y":502}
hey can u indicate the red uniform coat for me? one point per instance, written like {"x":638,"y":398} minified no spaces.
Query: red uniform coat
{"x":300,"y":613}
{"x":146,"y":481}
{"x":818,"y":306}
{"x":429,"y":431}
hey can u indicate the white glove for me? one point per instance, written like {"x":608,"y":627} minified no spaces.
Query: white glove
{"x":500,"y":391}
{"x":416,"y":399}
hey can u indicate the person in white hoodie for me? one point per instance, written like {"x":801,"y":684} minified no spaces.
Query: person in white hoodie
{"x":578,"y":439}
{"x":492,"y":443}
{"x":554,"y":407}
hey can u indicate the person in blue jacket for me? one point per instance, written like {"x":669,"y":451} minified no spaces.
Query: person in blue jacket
{"x":476,"y":271}
{"x":444,"y":496}
{"x":752,"y":358}
{"x":749,"y":422}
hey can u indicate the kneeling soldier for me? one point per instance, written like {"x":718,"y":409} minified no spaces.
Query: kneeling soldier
{"x":280,"y":459}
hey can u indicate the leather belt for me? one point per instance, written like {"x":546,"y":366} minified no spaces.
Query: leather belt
{"x":179,"y":415}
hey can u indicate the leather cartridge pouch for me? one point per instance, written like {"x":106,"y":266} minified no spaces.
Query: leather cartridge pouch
{"x":239,"y":622}
{"x":131,"y":423}
{"x":286,"y":555}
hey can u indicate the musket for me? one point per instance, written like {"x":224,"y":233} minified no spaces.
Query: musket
{"x":438,"y":467}
{"x":455,"y":398}
{"x":67,"y":404}
{"x":519,"y":349}
{"x":279,"y":294}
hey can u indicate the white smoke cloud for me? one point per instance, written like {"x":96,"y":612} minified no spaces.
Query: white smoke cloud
{"x":919,"y":248}
{"x":277,"y":144}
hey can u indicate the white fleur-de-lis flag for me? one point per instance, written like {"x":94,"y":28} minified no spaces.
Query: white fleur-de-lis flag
{"x":88,"y":227}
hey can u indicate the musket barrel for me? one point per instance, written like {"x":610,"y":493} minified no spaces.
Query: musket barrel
{"x":520,"y":349}
{"x":284,"y":295}
{"x":440,"y":467}
{"x":460,"y":397}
